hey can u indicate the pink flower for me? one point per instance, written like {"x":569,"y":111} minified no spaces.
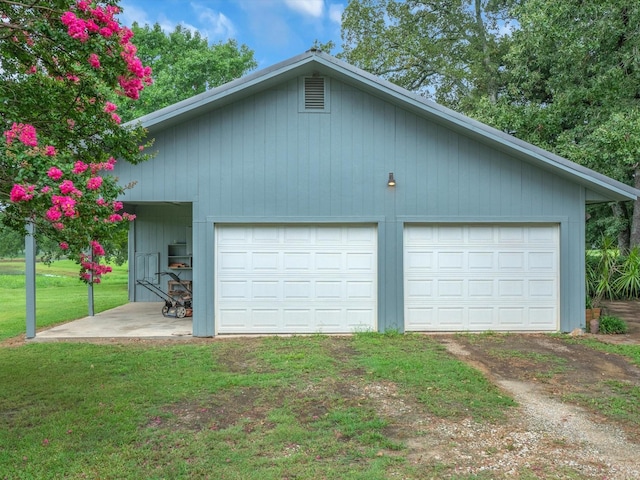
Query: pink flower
{"x":76,"y":27}
{"x":33,"y":69}
{"x":94,"y":183}
{"x":63,"y":245}
{"x":128,"y":216}
{"x":46,"y":189}
{"x":53,"y":214}
{"x":24,"y":132}
{"x":58,"y":226}
{"x":96,"y":248}
{"x":101,"y":202}
{"x":67,"y":187}
{"x":117,"y":206}
{"x":116,"y":118}
{"x":55,"y":173}
{"x":79,"y":167}
{"x":94,"y":61}
{"x":50,"y":151}
{"x":113,"y":218}
{"x":106,"y":32}
{"x":110,"y":107}
{"x":21,"y":194}
{"x":66,"y":205}
{"x":82,"y":5}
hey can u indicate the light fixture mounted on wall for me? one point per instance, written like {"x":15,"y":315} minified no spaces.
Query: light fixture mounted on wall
{"x":392,"y":181}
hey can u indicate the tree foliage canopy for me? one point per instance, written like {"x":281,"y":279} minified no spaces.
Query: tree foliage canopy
{"x":573,"y":86}
{"x":59,"y":62}
{"x":184,"y":64}
{"x":451,"y":50}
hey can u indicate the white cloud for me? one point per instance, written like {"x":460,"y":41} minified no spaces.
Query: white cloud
{"x":335,"y":12}
{"x":216,"y":25}
{"x":131,"y":13}
{"x":314,"y":8}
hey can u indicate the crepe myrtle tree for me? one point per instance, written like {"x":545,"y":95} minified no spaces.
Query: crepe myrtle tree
{"x":59,"y":62}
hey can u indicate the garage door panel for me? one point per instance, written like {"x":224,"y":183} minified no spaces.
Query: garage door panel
{"x":479,"y":260}
{"x":234,"y":261}
{"x":360,"y":261}
{"x":266,"y":261}
{"x":329,"y":290}
{"x":451,"y":260}
{"x":329,"y":261}
{"x":451,"y":318}
{"x":265,"y":290}
{"x":234,"y":289}
{"x":501,"y":277}
{"x":542,"y":261}
{"x":301,"y":279}
{"x":481,"y":318}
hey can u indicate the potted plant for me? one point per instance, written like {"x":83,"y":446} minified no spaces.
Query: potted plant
{"x":600,"y":270}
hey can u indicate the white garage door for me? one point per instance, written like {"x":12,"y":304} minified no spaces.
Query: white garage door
{"x":481,"y":277}
{"x":296,"y":279}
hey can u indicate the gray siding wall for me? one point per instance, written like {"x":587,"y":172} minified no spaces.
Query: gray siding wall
{"x":261,"y":160}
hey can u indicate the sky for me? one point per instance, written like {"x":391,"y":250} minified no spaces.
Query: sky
{"x":275,"y":30}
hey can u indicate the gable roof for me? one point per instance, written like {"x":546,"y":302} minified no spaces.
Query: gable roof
{"x":600,"y":188}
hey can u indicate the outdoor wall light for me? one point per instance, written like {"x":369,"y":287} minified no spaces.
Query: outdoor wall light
{"x":392,"y":181}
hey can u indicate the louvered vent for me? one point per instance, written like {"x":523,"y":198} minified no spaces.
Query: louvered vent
{"x":314,"y":93}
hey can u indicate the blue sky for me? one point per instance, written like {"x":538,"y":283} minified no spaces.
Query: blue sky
{"x":274,"y":29}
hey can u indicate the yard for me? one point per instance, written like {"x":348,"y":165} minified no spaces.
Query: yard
{"x":363,"y":406}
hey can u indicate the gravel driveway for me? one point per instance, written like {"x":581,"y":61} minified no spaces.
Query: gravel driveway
{"x":546,"y":436}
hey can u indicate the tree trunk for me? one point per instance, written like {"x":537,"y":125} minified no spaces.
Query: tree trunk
{"x":492,"y":90}
{"x":635,"y":221}
{"x":624,"y":235}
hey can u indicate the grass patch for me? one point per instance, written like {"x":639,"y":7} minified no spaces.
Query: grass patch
{"x":265,"y":408}
{"x":445,"y":386}
{"x":617,"y":400}
{"x":632,"y":352}
{"x":60,"y":296}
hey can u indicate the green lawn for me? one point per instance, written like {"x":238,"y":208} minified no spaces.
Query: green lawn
{"x":60,"y":296}
{"x":267,"y":408}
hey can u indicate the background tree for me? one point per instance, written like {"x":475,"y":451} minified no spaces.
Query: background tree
{"x":449,"y":50}
{"x":58,"y":61}
{"x":184,"y":64}
{"x":573,"y":88}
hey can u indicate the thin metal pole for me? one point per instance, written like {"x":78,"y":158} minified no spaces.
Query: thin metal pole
{"x":30,"y":278}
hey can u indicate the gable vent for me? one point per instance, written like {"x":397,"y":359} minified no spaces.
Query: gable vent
{"x":314,"y":93}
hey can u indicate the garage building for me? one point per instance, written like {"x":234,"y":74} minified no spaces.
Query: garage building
{"x":313,"y":197}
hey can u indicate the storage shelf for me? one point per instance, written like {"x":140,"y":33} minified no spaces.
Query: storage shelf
{"x":179,"y":258}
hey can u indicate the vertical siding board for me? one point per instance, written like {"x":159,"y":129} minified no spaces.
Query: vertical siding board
{"x":452,"y":174}
{"x":299,"y":197}
{"x":290,"y":158}
{"x":225,"y":181}
{"x":321,"y":170}
{"x":466,"y":159}
{"x":270,"y":177}
{"x":336,"y":152}
{"x":382,"y":164}
{"x":399,"y":155}
{"x":248,"y":170}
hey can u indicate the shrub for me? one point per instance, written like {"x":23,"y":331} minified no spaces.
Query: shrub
{"x":610,"y":324}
